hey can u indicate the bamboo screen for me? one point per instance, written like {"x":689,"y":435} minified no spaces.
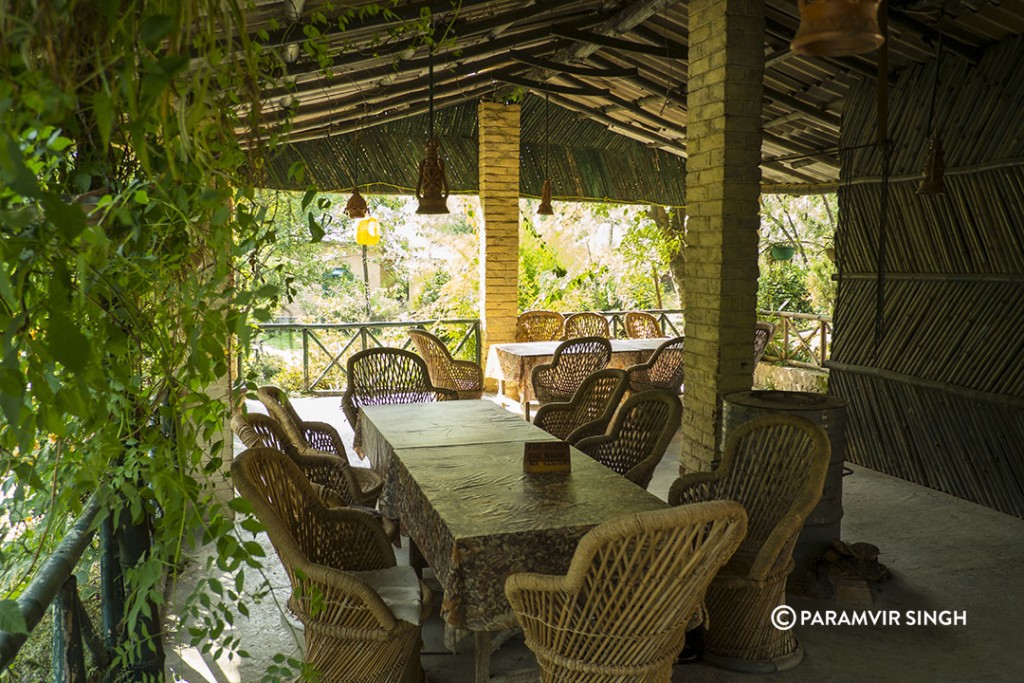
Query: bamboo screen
{"x":936,"y":390}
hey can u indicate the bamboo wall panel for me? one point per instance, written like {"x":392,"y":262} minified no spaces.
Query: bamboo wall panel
{"x":936,"y":384}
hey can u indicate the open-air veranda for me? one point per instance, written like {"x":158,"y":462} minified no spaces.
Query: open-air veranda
{"x":926,"y":348}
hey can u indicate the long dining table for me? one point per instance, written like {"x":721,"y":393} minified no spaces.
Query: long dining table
{"x":514,"y":363}
{"x":455,"y":480}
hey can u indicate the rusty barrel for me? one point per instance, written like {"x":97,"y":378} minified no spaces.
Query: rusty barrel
{"x":824,"y":523}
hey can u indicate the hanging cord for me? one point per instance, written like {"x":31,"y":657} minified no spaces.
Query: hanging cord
{"x":935,"y":86}
{"x":430,"y":86}
{"x":547,"y":145}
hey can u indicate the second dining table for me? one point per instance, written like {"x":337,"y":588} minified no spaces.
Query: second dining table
{"x":514,"y":363}
{"x":455,"y":479}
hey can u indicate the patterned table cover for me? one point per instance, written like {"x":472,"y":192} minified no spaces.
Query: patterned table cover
{"x":514,"y":362}
{"x":476,"y":518}
{"x":417,"y":425}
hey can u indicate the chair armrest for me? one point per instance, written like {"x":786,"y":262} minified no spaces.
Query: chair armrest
{"x":588,"y":429}
{"x":695,"y":487}
{"x":323,"y":437}
{"x":468,"y":371}
{"x":357,"y":539}
{"x":443,"y":394}
{"x":539,"y":596}
{"x":777,"y":550}
{"x":327,"y":469}
{"x":593,"y":442}
{"x":642,"y":472}
{"x":370,"y":484}
{"x":334,"y":597}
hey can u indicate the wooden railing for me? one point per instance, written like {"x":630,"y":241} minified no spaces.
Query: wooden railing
{"x":55,"y":584}
{"x":327,"y":347}
{"x":800,"y":339}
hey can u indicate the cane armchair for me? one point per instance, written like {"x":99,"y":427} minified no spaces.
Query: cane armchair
{"x":775,"y":466}
{"x":663,"y":370}
{"x":386,"y":376}
{"x":763,"y":332}
{"x":572,"y":362}
{"x":620,"y":612}
{"x":317,"y":436}
{"x":337,"y":559}
{"x":534,"y":326}
{"x":462,"y":376}
{"x":589,"y":410}
{"x":586,"y":324}
{"x":636,"y":440}
{"x":641,"y":325}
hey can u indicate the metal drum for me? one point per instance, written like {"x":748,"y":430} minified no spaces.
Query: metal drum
{"x":823,"y":524}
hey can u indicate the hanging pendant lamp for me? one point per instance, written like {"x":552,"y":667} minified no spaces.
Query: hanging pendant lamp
{"x":545,"y":208}
{"x":432,"y":184}
{"x":356,"y":206}
{"x":932,"y":180}
{"x":836,"y":28}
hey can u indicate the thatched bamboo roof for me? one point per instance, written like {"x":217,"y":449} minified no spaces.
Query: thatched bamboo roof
{"x":621,"y":64}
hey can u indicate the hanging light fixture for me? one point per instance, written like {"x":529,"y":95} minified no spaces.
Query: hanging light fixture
{"x":836,"y":28}
{"x":545,"y":208}
{"x":932,"y":182}
{"x":432,"y":184}
{"x":356,"y":206}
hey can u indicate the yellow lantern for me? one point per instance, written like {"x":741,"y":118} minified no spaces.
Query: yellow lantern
{"x":368,"y":231}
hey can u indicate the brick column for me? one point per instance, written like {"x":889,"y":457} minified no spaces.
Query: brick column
{"x":723,"y":177}
{"x":499,"y":238}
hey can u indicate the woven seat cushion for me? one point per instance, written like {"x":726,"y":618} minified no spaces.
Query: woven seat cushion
{"x":399,"y":588}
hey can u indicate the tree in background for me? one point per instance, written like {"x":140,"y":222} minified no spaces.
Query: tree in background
{"x":803,"y":284}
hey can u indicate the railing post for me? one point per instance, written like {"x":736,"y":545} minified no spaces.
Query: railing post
{"x":476,"y":341}
{"x":68,"y":654}
{"x":305,"y":359}
{"x":111,"y":584}
{"x":785,"y":338}
{"x":147,"y":658}
{"x":824,"y":341}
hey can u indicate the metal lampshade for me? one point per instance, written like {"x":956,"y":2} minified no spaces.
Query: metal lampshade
{"x":432,"y":185}
{"x":545,"y":208}
{"x":934,"y":167}
{"x":356,"y":207}
{"x":835,"y":28}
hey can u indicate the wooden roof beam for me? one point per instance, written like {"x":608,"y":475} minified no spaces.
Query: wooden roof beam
{"x":541,"y":86}
{"x":616,"y":43}
{"x":799,"y":149}
{"x":675,"y":146}
{"x":930,"y":35}
{"x":574,"y":69}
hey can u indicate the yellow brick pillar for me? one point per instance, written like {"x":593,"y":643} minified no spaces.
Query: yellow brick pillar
{"x":723,"y":176}
{"x":499,"y":230}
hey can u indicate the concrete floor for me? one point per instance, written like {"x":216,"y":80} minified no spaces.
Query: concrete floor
{"x":944,"y":554}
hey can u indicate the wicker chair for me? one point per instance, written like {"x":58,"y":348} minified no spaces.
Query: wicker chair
{"x":775,"y":467}
{"x":337,"y":559}
{"x":590,"y":409}
{"x":539,"y":326}
{"x":586,"y":324}
{"x":641,"y":325}
{"x":572,"y":362}
{"x":620,"y":611}
{"x":386,"y":376}
{"x":462,"y":376}
{"x":636,"y":441}
{"x":317,"y":436}
{"x":663,"y":370}
{"x":323,"y":469}
{"x":763,"y":332}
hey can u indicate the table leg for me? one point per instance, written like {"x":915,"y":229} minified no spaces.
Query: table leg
{"x":482,"y":642}
{"x":416,"y":559}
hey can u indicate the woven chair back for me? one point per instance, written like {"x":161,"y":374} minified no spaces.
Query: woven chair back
{"x":642,"y":325}
{"x":586,"y":324}
{"x":775,"y":466}
{"x":262,"y":431}
{"x":639,"y":434}
{"x":594,"y":401}
{"x":539,"y":326}
{"x":634,"y":583}
{"x":572,"y":362}
{"x":281,"y":409}
{"x":663,"y":370}
{"x":439,"y":361}
{"x":386,"y":376}
{"x":763,"y":332}
{"x":285,"y":502}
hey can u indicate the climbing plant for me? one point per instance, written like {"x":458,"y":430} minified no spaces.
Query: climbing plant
{"x":131,"y":265}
